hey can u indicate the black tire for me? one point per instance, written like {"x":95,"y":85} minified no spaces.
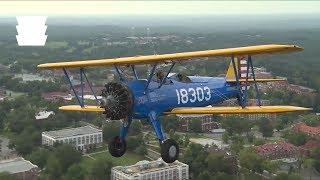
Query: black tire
{"x":117,"y":148}
{"x":169,"y":151}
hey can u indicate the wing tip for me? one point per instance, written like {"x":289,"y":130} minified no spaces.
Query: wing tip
{"x":297,"y":48}
{"x":44,"y":66}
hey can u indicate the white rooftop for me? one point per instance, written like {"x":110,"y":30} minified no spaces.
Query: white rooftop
{"x":43,"y":114}
{"x":209,"y":142}
{"x":16,"y":165}
{"x":218,"y":130}
{"x":69,"y":132}
{"x":147,"y":166}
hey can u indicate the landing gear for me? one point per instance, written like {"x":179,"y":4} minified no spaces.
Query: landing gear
{"x":117,"y":147}
{"x":169,"y":151}
{"x":169,"y":147}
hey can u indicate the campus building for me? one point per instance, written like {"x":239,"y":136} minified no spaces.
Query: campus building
{"x":309,"y":130}
{"x":83,"y":138}
{"x":309,"y":146}
{"x":257,"y":117}
{"x":20,"y":168}
{"x":207,"y":122}
{"x":278,"y":150}
{"x":56,"y":96}
{"x":155,"y":170}
{"x":252,"y":102}
{"x":43,"y":115}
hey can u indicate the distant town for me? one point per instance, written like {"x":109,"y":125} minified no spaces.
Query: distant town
{"x":277,"y":149}
{"x":40,"y":142}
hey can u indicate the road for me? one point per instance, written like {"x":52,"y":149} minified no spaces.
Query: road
{"x":5,"y":151}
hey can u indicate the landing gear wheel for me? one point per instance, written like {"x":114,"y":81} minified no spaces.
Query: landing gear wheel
{"x":169,"y":151}
{"x":117,"y":147}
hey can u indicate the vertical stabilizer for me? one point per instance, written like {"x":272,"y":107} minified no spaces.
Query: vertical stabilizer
{"x":241,"y":68}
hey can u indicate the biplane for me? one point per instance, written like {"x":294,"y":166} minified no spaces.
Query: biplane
{"x":167,"y":93}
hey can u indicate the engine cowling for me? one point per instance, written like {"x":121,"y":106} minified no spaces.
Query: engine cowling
{"x":117,"y":101}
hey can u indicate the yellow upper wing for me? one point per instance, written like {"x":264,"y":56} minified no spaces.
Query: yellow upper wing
{"x":249,"y":50}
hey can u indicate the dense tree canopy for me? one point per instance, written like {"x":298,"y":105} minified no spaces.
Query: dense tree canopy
{"x":316,"y":156}
{"x":250,"y":160}
{"x":296,"y":138}
{"x":236,"y":124}
{"x":100,"y":169}
{"x":265,"y":127}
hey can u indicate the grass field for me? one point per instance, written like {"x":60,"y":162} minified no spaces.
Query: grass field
{"x":128,"y":159}
{"x":57,"y":44}
{"x":90,"y":49}
{"x":14,"y":94}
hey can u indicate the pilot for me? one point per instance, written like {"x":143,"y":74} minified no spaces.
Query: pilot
{"x":180,"y":77}
{"x":183,"y":78}
{"x":160,"y":76}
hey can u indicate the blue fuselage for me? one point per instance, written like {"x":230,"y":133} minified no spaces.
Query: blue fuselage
{"x":199,"y":92}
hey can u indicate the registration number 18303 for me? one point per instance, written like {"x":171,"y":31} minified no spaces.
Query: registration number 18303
{"x":193,"y":94}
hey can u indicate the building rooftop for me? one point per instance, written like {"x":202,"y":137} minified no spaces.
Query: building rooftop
{"x":311,"y":144}
{"x":278,"y":148}
{"x":218,"y":130}
{"x":16,"y":165}
{"x":192,"y":115}
{"x":302,"y":127}
{"x":53,"y":95}
{"x":72,"y":132}
{"x":147,"y":167}
{"x":43,"y":114}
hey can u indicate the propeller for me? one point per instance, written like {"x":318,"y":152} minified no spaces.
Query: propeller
{"x":116,"y":100}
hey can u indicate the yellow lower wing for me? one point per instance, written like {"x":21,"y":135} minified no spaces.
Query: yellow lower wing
{"x":205,"y":110}
{"x":237,"y":110}
{"x":257,"y":80}
{"x":83,"y":109}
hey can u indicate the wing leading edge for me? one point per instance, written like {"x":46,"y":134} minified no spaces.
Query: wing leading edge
{"x":237,"y":110}
{"x":248,"y":50}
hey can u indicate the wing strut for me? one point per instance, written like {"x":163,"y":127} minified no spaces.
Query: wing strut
{"x":150,"y":76}
{"x":91,"y":89}
{"x":134,"y":72}
{"x":246,"y":82}
{"x":243,"y":93}
{"x":119,"y":74}
{"x":165,"y":78}
{"x":71,"y":86}
{"x":254,"y":79}
{"x":237,"y":75}
{"x":83,"y":77}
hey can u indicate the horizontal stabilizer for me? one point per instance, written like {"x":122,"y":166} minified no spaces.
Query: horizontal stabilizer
{"x":237,"y":110}
{"x":82,"y":109}
{"x":257,"y":80}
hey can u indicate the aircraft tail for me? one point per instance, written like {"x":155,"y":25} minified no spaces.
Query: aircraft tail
{"x":241,"y":68}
